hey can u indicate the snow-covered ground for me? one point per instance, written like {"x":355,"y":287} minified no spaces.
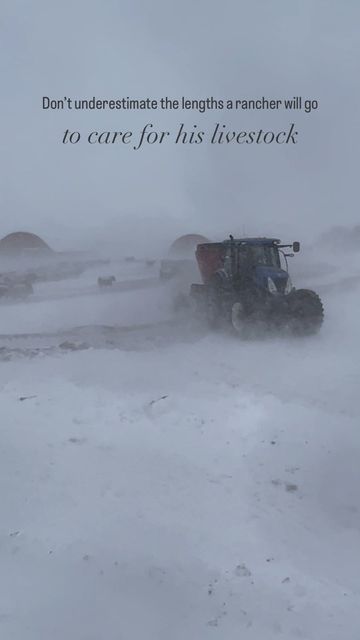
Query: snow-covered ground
{"x":186,"y":488}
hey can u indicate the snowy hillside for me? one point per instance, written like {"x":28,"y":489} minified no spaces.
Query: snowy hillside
{"x":167,"y":483}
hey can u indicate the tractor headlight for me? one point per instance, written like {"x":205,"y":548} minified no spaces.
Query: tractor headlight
{"x":289,"y":286}
{"x":271,"y":285}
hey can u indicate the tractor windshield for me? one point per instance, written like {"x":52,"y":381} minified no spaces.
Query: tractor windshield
{"x":265,"y":254}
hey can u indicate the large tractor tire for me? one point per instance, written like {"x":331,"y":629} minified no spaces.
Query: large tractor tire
{"x":214,"y":302}
{"x":238,"y":320}
{"x":243,"y":325}
{"x":306,"y":312}
{"x":213,"y":308}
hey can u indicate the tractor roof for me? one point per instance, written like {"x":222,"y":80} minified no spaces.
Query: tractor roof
{"x":253,"y":241}
{"x":250,"y":241}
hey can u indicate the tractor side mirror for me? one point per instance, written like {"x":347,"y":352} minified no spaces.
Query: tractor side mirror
{"x":296,"y":247}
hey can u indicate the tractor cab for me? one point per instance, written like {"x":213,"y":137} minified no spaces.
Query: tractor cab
{"x":247,"y":262}
{"x":257,"y":262}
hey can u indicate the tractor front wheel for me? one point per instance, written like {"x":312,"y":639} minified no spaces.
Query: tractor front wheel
{"x":306,"y":312}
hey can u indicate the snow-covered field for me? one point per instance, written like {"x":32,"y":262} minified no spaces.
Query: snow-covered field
{"x":184,"y":485}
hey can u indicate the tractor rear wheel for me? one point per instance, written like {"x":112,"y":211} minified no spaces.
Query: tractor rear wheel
{"x":237,"y":317}
{"x":213,"y":310}
{"x":240,"y":321}
{"x":306,"y":312}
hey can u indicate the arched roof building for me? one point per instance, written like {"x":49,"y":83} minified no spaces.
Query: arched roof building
{"x":23,"y":241}
{"x":185,"y":245}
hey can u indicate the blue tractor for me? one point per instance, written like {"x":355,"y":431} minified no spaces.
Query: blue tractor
{"x":245,"y":285}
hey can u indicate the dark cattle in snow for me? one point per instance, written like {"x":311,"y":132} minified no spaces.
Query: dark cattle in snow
{"x":107,"y":281}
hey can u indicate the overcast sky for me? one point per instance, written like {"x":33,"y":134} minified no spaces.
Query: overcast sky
{"x":195,"y":48}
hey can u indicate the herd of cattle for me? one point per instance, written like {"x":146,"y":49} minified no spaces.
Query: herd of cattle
{"x":15,"y":285}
